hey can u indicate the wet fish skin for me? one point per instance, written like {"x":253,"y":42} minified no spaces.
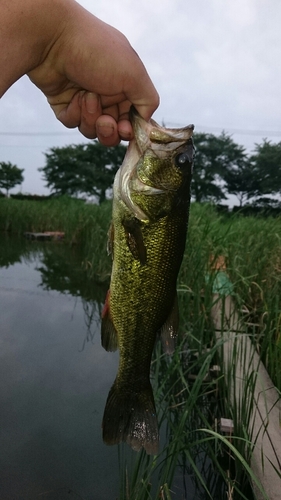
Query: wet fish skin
{"x":148,"y":233}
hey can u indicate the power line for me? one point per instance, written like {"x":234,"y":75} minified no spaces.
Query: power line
{"x":171,"y":124}
{"x":38,"y":133}
{"x":263,"y":133}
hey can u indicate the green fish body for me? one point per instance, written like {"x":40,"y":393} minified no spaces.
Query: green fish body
{"x":151,"y":197}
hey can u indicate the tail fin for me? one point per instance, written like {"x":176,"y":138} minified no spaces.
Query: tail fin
{"x":131,"y":417}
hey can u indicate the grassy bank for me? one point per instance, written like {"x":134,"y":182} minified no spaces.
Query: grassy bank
{"x":250,"y":246}
{"x":84,"y":224}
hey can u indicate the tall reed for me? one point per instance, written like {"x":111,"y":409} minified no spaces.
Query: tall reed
{"x":250,"y":246}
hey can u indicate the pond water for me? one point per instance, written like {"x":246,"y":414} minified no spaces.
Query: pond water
{"x":54,"y":381}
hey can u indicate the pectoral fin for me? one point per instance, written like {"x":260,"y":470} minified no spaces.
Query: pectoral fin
{"x":109,"y":338}
{"x":135,"y":239}
{"x":169,"y":330}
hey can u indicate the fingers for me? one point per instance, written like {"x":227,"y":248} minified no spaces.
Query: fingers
{"x":147,"y":108}
{"x":109,"y":124}
{"x":66,"y":107}
{"x":125,"y":130}
{"x":110,"y":132}
{"x":90,"y":110}
{"x":107,"y":132}
{"x":140,"y":91}
{"x":85,"y":112}
{"x":82,"y":111}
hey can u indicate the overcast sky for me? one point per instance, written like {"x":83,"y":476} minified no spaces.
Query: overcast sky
{"x":215,"y":63}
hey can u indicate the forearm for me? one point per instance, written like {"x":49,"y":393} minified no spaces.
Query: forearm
{"x":27,"y":32}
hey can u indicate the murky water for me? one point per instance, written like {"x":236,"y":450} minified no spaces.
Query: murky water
{"x":54,"y":380}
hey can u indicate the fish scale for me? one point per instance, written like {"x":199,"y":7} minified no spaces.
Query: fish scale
{"x":151,"y":197}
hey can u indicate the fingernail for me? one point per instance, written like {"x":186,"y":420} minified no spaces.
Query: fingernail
{"x":91,"y":102}
{"x":105,"y":130}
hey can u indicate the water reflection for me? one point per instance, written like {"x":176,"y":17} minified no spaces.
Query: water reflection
{"x":66,"y":274}
{"x":52,"y":390}
{"x":12,"y":250}
{"x":61,"y":269}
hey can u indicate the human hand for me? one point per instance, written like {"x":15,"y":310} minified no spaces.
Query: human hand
{"x":91,"y":76}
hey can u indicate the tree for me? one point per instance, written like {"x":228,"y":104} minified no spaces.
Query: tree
{"x":10,"y":176}
{"x":257,"y":176}
{"x":84,"y":168}
{"x":242,"y":180}
{"x":214,"y":157}
{"x":266,"y":161}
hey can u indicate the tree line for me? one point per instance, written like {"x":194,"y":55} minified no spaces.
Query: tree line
{"x":221,"y":168}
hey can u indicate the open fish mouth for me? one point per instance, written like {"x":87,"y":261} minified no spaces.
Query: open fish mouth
{"x":148,"y":136}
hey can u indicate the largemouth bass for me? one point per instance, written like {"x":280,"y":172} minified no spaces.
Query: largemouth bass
{"x":151,"y":197}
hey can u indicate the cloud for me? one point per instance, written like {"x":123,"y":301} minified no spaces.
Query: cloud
{"x":214,"y":63}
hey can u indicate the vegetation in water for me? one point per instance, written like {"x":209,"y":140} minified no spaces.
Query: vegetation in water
{"x":191,"y":399}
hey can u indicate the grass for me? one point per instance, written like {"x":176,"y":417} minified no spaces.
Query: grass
{"x":193,"y":448}
{"x":252,"y":251}
{"x":83,"y":224}
{"x":189,"y":399}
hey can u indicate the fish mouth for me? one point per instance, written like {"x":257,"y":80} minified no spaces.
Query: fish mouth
{"x":151,"y":134}
{"x":147,"y":135}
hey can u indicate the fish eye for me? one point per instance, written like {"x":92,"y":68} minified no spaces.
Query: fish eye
{"x":183,"y":159}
